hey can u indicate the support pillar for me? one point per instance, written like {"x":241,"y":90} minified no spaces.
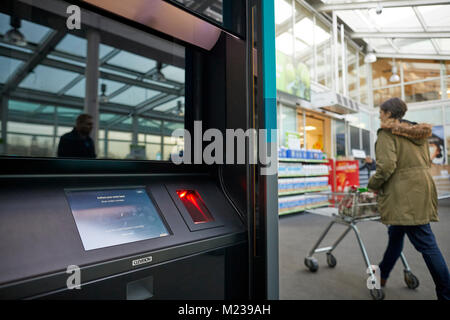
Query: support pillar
{"x":4,"y":115}
{"x":92,"y":74}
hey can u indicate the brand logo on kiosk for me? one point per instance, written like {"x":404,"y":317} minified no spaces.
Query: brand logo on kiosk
{"x":138,"y":262}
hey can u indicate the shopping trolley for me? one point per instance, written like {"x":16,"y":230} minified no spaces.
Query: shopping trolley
{"x":348,"y":209}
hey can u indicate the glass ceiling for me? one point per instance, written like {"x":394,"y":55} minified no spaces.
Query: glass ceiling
{"x":59,"y":74}
{"x":392,"y":20}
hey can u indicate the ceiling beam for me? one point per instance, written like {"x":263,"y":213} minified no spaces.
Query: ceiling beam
{"x":395,"y":35}
{"x":51,"y":40}
{"x":78,"y":103}
{"x":425,"y":28}
{"x":412,"y":56}
{"x":16,"y":54}
{"x":374,"y":4}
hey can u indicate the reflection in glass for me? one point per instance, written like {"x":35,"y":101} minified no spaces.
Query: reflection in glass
{"x":140,"y":89}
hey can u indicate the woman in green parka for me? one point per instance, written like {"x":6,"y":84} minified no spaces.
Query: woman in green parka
{"x":407,"y":196}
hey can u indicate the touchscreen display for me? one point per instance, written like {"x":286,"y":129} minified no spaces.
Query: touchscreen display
{"x":111,"y":217}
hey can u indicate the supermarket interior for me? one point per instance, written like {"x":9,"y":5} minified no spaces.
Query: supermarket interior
{"x":91,"y":114}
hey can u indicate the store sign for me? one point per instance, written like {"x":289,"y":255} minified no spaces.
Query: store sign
{"x":293,"y":140}
{"x":347,"y":174}
{"x":293,"y":78}
{"x":359,"y":154}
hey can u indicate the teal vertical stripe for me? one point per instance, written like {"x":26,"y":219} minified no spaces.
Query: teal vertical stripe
{"x":269,"y":69}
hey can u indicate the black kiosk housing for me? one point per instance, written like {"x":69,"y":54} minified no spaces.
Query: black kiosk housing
{"x":220,"y":257}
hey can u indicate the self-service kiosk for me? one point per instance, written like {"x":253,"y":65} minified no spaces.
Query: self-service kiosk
{"x":127,"y":229}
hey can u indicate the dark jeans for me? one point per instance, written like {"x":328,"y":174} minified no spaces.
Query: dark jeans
{"x":424,"y":241}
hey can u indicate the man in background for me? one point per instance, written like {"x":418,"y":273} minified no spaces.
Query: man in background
{"x":78,"y":143}
{"x":369,"y":165}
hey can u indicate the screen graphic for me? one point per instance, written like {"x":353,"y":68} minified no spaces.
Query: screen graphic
{"x":107,"y":218}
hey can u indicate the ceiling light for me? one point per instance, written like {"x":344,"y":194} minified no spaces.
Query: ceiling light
{"x":158,"y":75}
{"x":103,"y":96}
{"x":370,"y":56}
{"x":180,"y":111}
{"x":14,"y":36}
{"x":394,"y":77}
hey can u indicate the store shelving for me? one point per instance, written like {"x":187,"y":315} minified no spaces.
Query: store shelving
{"x":291,"y":193}
{"x":323,"y":204}
{"x":308,"y":192}
{"x":303,"y":160}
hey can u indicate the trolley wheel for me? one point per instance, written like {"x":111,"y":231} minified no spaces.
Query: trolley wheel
{"x":377,"y":294}
{"x":411,"y":280}
{"x":312,"y":264}
{"x":331,"y":260}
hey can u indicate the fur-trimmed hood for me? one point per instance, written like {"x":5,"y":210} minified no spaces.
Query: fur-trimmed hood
{"x":416,"y":132}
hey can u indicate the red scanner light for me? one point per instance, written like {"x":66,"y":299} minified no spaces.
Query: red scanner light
{"x":195,"y":206}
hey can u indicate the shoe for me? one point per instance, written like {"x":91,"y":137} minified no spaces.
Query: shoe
{"x":383,"y":282}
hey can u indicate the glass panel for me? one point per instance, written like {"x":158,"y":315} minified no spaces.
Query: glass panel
{"x":314,"y":133}
{"x":132,"y":61}
{"x":57,"y":88}
{"x":402,"y":19}
{"x":324,"y":70}
{"x":134,"y":95}
{"x":380,"y":45}
{"x":7,"y":67}
{"x":116,"y":135}
{"x":118,"y":149}
{"x":364,"y":120}
{"x":283,"y":11}
{"x":444,"y":45}
{"x":432,"y":116}
{"x":36,"y":129}
{"x":340,"y":137}
{"x":437,"y":16}
{"x":447,"y":115}
{"x":73,"y":45}
{"x":420,"y":69}
{"x":352,"y":76}
{"x":300,"y":127}
{"x":375,"y":123}
{"x":153,"y":151}
{"x":353,"y":119}
{"x":172,"y":106}
{"x":174,"y":74}
{"x":354,"y":138}
{"x":381,"y":95}
{"x":153,"y":138}
{"x":30,"y":145}
{"x":366,"y":141}
{"x":381,"y":72}
{"x":423,"y":91}
{"x":448,"y":88}
{"x":362,"y":80}
{"x":47,"y":79}
{"x":415,"y":45}
{"x":288,"y":121}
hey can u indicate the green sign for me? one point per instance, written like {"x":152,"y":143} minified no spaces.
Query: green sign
{"x":292,"y":140}
{"x":292,"y":79}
